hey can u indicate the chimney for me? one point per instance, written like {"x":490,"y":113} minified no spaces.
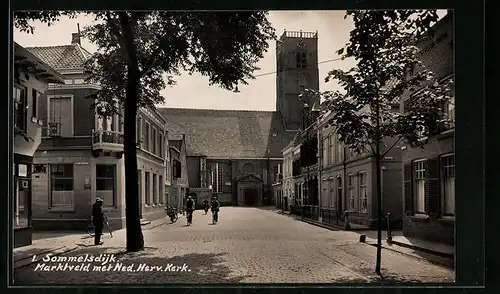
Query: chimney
{"x":75,"y":39}
{"x":183,"y":137}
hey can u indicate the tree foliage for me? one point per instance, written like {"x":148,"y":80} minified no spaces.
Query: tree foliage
{"x":23,"y":20}
{"x":384,"y":45}
{"x":224,"y":46}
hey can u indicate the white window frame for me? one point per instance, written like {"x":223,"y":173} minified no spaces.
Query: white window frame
{"x":419,"y":172}
{"x":447,"y":172}
{"x":70,"y":192}
{"x":331,"y":147}
{"x":325,"y":152}
{"x":147,"y":135}
{"x":363,"y":185}
{"x":351,"y":190}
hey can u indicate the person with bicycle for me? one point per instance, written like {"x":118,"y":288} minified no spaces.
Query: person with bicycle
{"x":215,"y":206}
{"x":189,"y":210}
{"x":98,"y":220}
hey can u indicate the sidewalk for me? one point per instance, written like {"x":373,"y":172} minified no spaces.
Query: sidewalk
{"x":433,"y":252}
{"x":56,"y":243}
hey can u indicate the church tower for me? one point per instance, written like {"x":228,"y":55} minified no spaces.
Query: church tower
{"x":297,"y":69}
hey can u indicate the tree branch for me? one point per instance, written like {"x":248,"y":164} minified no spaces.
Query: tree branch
{"x":149,"y":64}
{"x":392,"y":146}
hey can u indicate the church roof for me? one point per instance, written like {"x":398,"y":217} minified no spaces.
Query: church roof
{"x":228,"y":133}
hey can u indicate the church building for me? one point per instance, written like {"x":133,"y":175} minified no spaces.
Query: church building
{"x":238,"y":154}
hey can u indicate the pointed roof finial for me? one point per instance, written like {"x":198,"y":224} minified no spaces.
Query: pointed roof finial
{"x":78,"y":27}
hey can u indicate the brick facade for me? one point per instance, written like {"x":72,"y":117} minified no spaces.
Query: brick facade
{"x":437,"y":55}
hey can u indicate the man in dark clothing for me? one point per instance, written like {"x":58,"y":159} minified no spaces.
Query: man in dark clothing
{"x":215,"y":205}
{"x":98,"y":220}
{"x":206,"y":205}
{"x":189,"y":210}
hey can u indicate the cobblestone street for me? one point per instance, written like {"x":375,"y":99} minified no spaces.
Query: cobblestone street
{"x":249,"y":245}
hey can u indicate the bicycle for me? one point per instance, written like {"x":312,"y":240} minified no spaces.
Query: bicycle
{"x":91,"y":227}
{"x":172,"y":213}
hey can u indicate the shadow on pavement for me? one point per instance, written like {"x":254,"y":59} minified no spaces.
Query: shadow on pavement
{"x":193,"y":268}
{"x":22,"y":255}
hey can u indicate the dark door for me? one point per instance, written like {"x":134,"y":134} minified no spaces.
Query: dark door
{"x":251,"y":196}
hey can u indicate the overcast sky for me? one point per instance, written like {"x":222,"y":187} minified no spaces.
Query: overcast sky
{"x":194,"y":92}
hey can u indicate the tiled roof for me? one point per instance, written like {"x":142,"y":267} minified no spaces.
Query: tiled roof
{"x":228,"y":133}
{"x":66,"y":57}
{"x":175,"y":143}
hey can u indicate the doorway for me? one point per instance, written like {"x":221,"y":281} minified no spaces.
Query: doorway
{"x":251,"y":195}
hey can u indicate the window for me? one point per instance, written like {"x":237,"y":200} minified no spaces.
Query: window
{"x":20,"y":105}
{"x":105,"y":183}
{"x":218,"y":179}
{"x":301,"y":60}
{"x":339,"y":193}
{"x":325,"y":151}
{"x":146,"y":139}
{"x":176,"y":169}
{"x":162,"y":190}
{"x":22,"y":184}
{"x":419,"y":173}
{"x":34,"y":102}
{"x":331,"y":196}
{"x":138,"y":134}
{"x":160,"y":145}
{"x":363,"y":192}
{"x":61,"y":116}
{"x":331,"y":138}
{"x":68,"y":82}
{"x":350,"y":187}
{"x":147,"y":187}
{"x":448,"y":184}
{"x":153,"y":142}
{"x":340,"y":151}
{"x":155,"y":190}
{"x":448,"y":108}
{"x":61,"y":185}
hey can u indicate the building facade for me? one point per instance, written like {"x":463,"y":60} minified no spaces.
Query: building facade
{"x":429,"y":172}
{"x":348,"y":181}
{"x":30,"y":86}
{"x":179,"y":182}
{"x":80,"y":155}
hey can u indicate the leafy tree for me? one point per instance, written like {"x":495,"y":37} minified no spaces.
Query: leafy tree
{"x":384,"y":45}
{"x":23,"y":20}
{"x":140,"y":52}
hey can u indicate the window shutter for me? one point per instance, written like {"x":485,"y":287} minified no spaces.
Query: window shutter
{"x":408,"y":193}
{"x":432,"y":203}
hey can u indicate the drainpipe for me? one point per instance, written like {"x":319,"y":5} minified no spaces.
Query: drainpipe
{"x":320,"y":168}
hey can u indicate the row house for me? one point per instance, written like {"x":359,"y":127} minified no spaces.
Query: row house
{"x":429,"y":172}
{"x":32,"y":77}
{"x":80,"y":154}
{"x":348,"y":181}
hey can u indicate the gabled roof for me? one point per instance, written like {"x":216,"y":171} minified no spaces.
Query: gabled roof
{"x":65,"y":57}
{"x":228,"y":133}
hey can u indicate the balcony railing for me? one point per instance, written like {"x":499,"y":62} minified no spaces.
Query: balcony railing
{"x":107,"y":140}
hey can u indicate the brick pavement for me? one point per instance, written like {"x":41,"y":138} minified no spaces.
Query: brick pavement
{"x":248,"y":246}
